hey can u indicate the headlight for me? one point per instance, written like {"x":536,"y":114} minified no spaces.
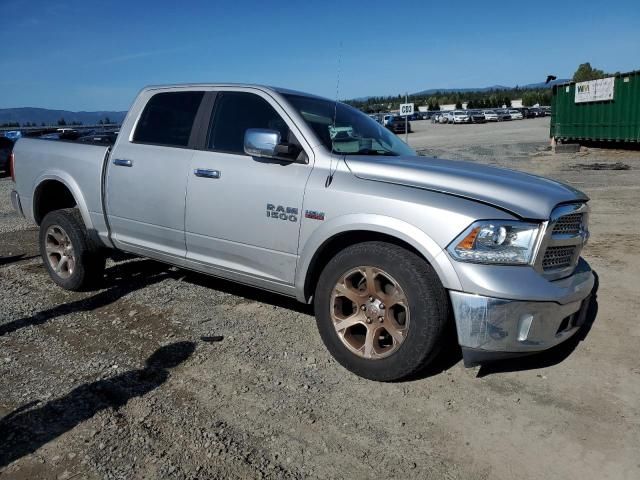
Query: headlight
{"x":496,"y":242}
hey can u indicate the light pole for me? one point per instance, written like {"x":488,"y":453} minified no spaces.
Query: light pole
{"x":406,"y":120}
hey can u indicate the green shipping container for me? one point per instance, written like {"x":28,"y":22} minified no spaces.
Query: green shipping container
{"x":615,"y":120}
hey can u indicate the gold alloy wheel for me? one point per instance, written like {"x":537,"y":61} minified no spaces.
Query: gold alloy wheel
{"x":59,"y":251}
{"x":370,"y":312}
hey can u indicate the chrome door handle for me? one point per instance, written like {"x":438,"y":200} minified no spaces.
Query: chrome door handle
{"x":122,"y":162}
{"x":206,"y":173}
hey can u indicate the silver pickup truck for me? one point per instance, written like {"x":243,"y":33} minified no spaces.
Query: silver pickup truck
{"x":310,"y":198}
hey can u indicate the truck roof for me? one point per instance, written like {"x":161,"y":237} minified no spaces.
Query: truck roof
{"x":285,"y":91}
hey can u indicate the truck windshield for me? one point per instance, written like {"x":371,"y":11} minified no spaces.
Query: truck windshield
{"x":352,"y":132}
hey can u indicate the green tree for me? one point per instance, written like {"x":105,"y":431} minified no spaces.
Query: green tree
{"x":61,"y":122}
{"x":528,"y":99}
{"x":458,"y":105}
{"x":586,"y":72}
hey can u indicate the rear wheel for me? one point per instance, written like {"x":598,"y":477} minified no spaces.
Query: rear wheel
{"x":67,"y":251}
{"x":381,"y":310}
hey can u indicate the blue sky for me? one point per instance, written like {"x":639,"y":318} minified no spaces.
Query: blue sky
{"x":84,"y":55}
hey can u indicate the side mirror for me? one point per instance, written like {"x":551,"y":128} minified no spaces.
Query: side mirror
{"x":261,"y":142}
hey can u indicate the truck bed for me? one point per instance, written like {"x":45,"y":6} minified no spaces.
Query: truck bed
{"x":78,"y":166}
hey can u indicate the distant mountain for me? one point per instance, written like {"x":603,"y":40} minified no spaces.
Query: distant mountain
{"x":533,"y":86}
{"x":529,"y":86}
{"x":51,"y":117}
{"x":431,"y":91}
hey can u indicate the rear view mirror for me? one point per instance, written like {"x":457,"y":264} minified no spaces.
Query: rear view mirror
{"x":261,"y":142}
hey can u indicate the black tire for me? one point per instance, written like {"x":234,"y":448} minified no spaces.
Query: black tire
{"x":89,"y":261}
{"x":427,"y":299}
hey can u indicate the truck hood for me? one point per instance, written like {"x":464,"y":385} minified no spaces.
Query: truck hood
{"x":527,"y":196}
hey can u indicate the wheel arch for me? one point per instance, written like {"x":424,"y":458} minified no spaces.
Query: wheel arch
{"x":344,"y":231}
{"x":55,"y":191}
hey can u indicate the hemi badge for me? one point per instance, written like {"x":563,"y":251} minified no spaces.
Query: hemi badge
{"x":312,"y":214}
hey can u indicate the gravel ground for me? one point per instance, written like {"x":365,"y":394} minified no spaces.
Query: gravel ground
{"x":170,"y":374}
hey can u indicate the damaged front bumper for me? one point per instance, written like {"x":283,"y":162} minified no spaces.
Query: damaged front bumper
{"x":495,"y":328}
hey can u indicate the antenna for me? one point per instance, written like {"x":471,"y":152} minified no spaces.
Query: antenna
{"x":335,"y":114}
{"x":335,"y":105}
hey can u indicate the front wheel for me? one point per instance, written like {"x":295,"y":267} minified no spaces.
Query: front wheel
{"x":67,"y":251}
{"x":381,"y":310}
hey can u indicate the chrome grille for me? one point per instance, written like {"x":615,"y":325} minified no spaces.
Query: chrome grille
{"x":563,"y":240}
{"x":558,"y":257}
{"x":568,"y":225}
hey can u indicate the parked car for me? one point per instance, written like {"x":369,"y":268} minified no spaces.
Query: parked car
{"x":459,"y":116}
{"x":68,"y":133}
{"x":515,"y":114}
{"x":13,"y":135}
{"x":446,"y":117}
{"x":6,"y":147}
{"x":99,"y":138}
{"x":503,"y":115}
{"x":386,"y":118}
{"x":310,"y":198}
{"x":435,"y":117}
{"x":476,"y":116}
{"x":398,"y":125}
{"x":526,"y":112}
{"x":491,"y":115}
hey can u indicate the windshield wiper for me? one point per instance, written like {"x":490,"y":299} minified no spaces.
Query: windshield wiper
{"x":371,"y":151}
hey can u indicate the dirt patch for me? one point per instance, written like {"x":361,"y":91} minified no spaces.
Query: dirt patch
{"x":601,"y":166}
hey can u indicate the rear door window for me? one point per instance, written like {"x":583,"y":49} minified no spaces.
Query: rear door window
{"x":168,"y":118}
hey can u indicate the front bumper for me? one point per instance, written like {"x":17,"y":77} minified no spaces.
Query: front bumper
{"x":490,"y":328}
{"x":15,"y":201}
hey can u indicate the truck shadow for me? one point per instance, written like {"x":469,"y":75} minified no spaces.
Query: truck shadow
{"x":15,"y":259}
{"x":447,"y":358}
{"x":120,"y":280}
{"x":554,"y":355}
{"x":26,"y":429}
{"x":247,"y":292}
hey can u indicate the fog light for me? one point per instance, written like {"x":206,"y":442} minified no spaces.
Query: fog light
{"x":525,"y":326}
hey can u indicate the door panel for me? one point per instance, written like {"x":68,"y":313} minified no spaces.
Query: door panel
{"x":227,"y":221}
{"x":246,"y":216}
{"x":147,"y":174}
{"x":145,"y":202}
